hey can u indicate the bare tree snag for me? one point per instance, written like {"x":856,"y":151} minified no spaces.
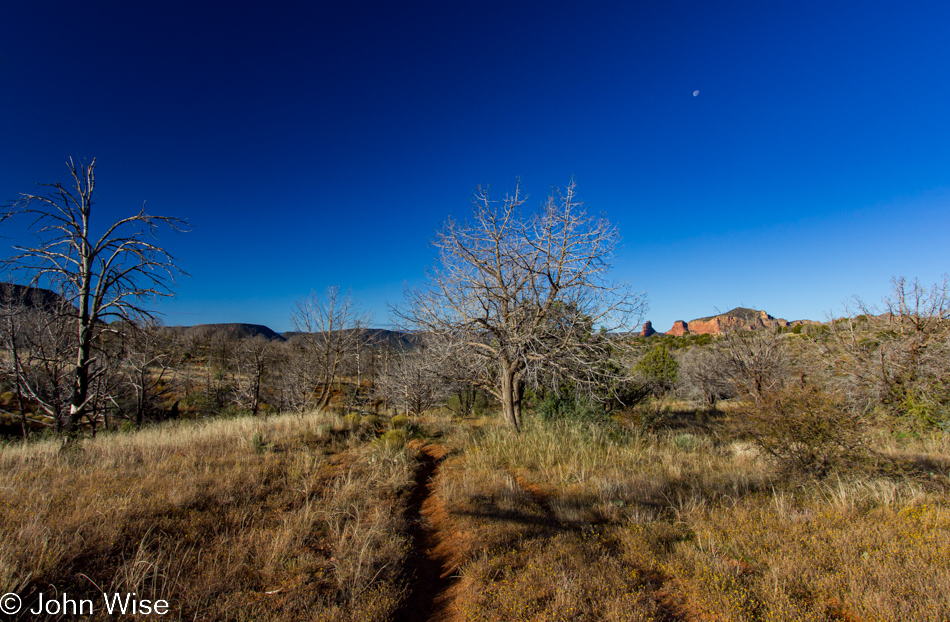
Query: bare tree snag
{"x":105,"y":276}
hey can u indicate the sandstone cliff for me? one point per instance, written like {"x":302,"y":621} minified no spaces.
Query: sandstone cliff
{"x":740,"y":317}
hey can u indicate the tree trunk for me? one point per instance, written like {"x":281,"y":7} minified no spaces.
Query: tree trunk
{"x":77,"y":405}
{"x":325,"y":391}
{"x":510,"y":396}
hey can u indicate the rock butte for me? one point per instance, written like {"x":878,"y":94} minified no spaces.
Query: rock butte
{"x":740,"y":317}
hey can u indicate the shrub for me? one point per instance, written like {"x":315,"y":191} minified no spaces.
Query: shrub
{"x":399,"y":421}
{"x":394,"y":439}
{"x":259,"y":443}
{"x":807,"y":431}
{"x":568,"y":406}
{"x":371,"y":421}
{"x":659,"y":370}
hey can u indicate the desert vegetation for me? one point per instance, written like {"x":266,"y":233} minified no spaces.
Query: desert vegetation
{"x":514,"y":453}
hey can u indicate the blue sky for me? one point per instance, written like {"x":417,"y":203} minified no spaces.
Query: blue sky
{"x":311,"y":144}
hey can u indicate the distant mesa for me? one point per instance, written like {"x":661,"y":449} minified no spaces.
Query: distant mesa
{"x":30,"y":297}
{"x":738,"y":318}
{"x":231,"y":331}
{"x":647,"y":330}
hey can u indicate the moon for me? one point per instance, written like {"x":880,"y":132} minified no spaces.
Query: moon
{"x":695,"y":93}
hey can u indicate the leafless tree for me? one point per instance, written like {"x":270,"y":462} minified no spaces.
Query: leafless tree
{"x":896,"y":357}
{"x":524,"y":295}
{"x":757,"y":359}
{"x":38,"y":343}
{"x":254,"y":359}
{"x":703,"y":373}
{"x":10,"y":354}
{"x":105,"y":276}
{"x":331,"y":329}
{"x":413,"y":381}
{"x":148,"y":366}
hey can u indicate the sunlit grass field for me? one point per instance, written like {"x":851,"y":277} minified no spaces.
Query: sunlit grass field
{"x":572,"y":521}
{"x":290,"y":517}
{"x":304,"y":518}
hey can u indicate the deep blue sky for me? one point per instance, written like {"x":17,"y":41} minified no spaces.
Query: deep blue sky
{"x":311,"y":144}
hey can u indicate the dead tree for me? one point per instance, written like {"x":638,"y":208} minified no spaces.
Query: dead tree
{"x":896,"y":357}
{"x":331,"y":332}
{"x":757,"y":359}
{"x":254,"y":359}
{"x":149,"y":362}
{"x":412,"y":381}
{"x":104,"y":276}
{"x":525,"y":293}
{"x":39,"y":343}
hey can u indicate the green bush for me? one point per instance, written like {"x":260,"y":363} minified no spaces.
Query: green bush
{"x":371,"y":421}
{"x":394,"y":439}
{"x":259,"y":443}
{"x":566,"y":406}
{"x":399,"y":421}
{"x":658,"y":370}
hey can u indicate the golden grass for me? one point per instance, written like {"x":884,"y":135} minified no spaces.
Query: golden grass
{"x":292,"y":517}
{"x":301,"y":518}
{"x":572,"y":521}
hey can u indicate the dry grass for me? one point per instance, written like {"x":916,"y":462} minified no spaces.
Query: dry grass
{"x":301,"y":518}
{"x":286,"y":518}
{"x":584,"y":522}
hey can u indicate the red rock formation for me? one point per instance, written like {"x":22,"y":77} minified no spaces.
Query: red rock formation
{"x":647,"y":329}
{"x":679,"y":329}
{"x":738,"y":318}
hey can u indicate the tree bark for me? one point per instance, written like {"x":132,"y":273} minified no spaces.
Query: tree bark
{"x":510,"y":396}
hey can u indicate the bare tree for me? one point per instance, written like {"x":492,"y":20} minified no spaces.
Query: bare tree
{"x":10,"y":363}
{"x":703,"y":374}
{"x":38,"y":341}
{"x":331,"y":331}
{"x":149,"y":365}
{"x":897,"y":358}
{"x":412,"y":382}
{"x":254,"y":359}
{"x":525,"y":295}
{"x":105,"y":276}
{"x":757,"y":359}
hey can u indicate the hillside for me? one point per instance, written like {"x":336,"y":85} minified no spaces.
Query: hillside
{"x":232,"y":331}
{"x":377,"y":336}
{"x":30,"y":297}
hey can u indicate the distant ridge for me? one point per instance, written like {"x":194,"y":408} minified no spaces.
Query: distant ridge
{"x":380,"y":336}
{"x":30,"y":297}
{"x":232,"y":331}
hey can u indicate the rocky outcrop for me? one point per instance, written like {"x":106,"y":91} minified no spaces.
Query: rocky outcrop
{"x":679,"y":329}
{"x":738,"y":318}
{"x":647,"y":330}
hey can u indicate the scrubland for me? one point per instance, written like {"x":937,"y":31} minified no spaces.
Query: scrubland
{"x":292,"y":517}
{"x":579,"y":521}
{"x":310,"y":518}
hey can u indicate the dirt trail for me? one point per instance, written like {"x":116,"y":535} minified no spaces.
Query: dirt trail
{"x":426,"y":567}
{"x":537,"y":494}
